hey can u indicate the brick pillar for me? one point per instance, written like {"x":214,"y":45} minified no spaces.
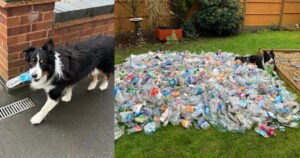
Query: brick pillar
{"x":22,"y":24}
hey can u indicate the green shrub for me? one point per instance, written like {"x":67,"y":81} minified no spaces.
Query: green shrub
{"x":180,"y":8}
{"x":218,"y":18}
{"x":188,"y":29}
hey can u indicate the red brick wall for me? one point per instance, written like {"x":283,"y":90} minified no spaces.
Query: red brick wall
{"x":76,"y":30}
{"x":22,"y":25}
{"x":32,"y":23}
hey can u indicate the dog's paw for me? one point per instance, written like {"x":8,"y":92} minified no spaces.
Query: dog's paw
{"x":66,"y":98}
{"x":103,"y":86}
{"x":37,"y":119}
{"x":92,"y":86}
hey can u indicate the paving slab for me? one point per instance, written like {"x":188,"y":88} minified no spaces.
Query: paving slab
{"x":82,"y":128}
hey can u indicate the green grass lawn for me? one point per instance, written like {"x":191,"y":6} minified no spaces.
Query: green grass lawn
{"x":175,"y":141}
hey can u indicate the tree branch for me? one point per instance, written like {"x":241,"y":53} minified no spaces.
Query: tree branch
{"x":124,"y":6}
{"x":138,"y":3}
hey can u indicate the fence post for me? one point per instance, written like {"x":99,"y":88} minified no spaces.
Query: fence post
{"x":244,"y":13}
{"x":281,"y":13}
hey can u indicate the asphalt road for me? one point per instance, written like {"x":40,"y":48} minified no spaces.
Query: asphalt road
{"x":82,"y":128}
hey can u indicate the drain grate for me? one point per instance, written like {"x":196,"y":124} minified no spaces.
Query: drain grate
{"x":15,"y":108}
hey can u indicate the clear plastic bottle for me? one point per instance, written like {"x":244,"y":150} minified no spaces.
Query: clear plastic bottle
{"x":119,"y":96}
{"x":150,"y":128}
{"x":134,"y":129}
{"x":118,"y":132}
{"x":166,"y":115}
{"x":203,"y":124}
{"x":261,"y":132}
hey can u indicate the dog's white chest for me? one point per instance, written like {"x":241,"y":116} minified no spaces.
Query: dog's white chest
{"x":42,"y":84}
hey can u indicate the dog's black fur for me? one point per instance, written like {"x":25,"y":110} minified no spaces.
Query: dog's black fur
{"x":259,"y":60}
{"x":77,"y":61}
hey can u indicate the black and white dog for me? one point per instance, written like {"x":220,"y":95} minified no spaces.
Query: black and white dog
{"x":262,"y":62}
{"x":56,"y":70}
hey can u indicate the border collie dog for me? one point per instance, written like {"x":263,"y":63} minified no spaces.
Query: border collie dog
{"x":57,"y":70}
{"x":262,"y":62}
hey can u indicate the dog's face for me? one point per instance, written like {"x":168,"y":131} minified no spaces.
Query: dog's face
{"x":269,"y":59}
{"x":39,"y":60}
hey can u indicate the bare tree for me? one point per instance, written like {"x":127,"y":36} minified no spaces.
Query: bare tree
{"x":131,"y":6}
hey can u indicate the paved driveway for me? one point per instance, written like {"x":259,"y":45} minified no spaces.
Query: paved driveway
{"x":78,"y":129}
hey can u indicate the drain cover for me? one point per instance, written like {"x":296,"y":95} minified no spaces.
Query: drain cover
{"x":15,"y":108}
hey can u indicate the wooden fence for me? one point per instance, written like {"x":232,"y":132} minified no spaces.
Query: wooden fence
{"x":257,"y":13}
{"x":122,"y":17}
{"x":271,"y":12}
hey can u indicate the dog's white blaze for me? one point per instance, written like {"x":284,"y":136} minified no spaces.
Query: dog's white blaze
{"x":36,"y":69}
{"x":39,"y":117}
{"x":43,"y":83}
{"x":268,"y":63}
{"x":58,"y":66}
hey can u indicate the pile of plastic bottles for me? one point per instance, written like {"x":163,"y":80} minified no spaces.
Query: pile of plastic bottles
{"x":200,"y":90}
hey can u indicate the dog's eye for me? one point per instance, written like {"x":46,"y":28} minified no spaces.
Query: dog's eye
{"x":32,"y":61}
{"x":41,"y":61}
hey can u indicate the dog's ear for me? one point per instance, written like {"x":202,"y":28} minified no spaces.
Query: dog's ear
{"x":272,"y":54}
{"x":28,"y":51}
{"x":48,"y":46}
{"x":266,"y":56}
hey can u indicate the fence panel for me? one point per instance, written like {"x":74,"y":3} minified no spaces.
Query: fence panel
{"x":258,"y":13}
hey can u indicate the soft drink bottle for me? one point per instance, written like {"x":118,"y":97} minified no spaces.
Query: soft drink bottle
{"x":186,"y":124}
{"x":262,"y":132}
{"x":269,"y":130}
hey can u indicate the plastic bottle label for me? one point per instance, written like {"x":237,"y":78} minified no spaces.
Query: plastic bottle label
{"x":201,"y":123}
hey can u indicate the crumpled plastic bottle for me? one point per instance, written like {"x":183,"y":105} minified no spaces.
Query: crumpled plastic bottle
{"x":150,"y":128}
{"x":204,"y":124}
{"x":118,"y":131}
{"x":134,"y":129}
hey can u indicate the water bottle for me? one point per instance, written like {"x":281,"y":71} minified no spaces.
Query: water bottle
{"x":118,"y":95}
{"x":134,"y":129}
{"x":196,"y":125}
{"x":150,"y":128}
{"x":137,"y":108}
{"x":118,"y":132}
{"x":25,"y":77}
{"x":165,"y":115}
{"x":204,"y":124}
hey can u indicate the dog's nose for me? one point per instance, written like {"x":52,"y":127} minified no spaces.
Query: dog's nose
{"x":34,"y":75}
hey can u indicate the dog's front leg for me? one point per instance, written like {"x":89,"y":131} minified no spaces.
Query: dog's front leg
{"x":68,"y":95}
{"x":49,"y":105}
